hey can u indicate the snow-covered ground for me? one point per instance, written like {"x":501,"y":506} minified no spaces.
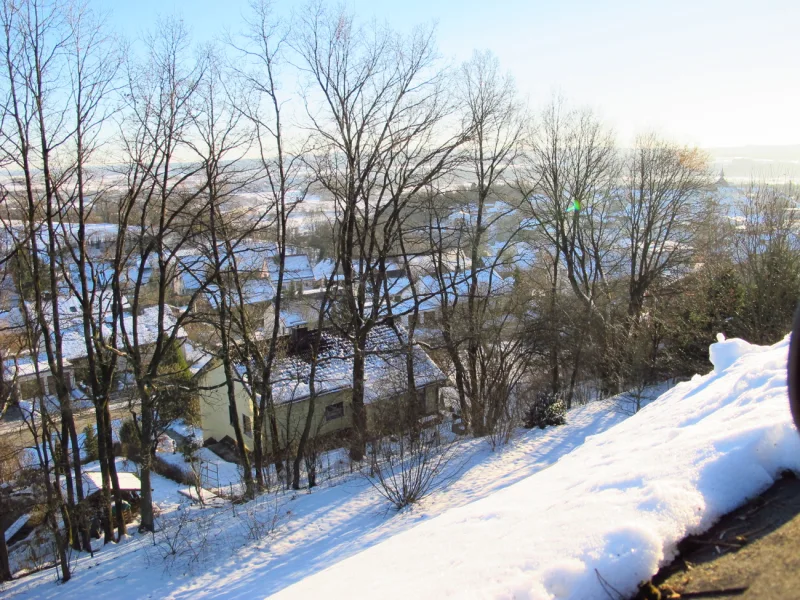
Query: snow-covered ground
{"x":614,"y":508}
{"x":217,"y":476}
{"x":541,"y":518}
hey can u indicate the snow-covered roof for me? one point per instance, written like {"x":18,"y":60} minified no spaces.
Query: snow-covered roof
{"x":324,"y":268}
{"x":257,"y":290}
{"x":191,"y":270}
{"x":296,"y":268}
{"x":70,"y":311}
{"x":196,"y":357}
{"x":66,"y":234}
{"x":291,"y":318}
{"x":93,"y":482}
{"x":16,"y":526}
{"x":249,"y":256}
{"x":25,"y":366}
{"x":148,"y":326}
{"x":73,"y":344}
{"x":254,"y":291}
{"x":384,"y":369}
{"x":451,"y":260}
{"x":429,"y":289}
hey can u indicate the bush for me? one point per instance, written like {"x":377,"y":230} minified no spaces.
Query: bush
{"x":173,"y":472}
{"x":406,"y":461}
{"x":129,"y":439}
{"x":546,"y":409}
{"x":90,"y":444}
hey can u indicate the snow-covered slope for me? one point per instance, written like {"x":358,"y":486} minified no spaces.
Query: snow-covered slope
{"x":534,"y":519}
{"x":614,"y":507}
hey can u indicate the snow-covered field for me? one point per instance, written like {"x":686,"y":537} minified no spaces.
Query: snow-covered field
{"x":604,"y":494}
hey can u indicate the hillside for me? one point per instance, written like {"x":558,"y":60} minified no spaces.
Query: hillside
{"x":613,"y":509}
{"x":604,"y":494}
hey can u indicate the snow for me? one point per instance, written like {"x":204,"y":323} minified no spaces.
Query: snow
{"x":228,"y":473}
{"x":218,"y":475}
{"x":16,"y":526}
{"x":618,"y":505}
{"x":295,"y":268}
{"x":726,"y":352}
{"x":323,"y":269}
{"x":196,"y":357}
{"x":201,"y":496}
{"x":606,"y":492}
{"x":93,"y":482}
{"x":184,"y":429}
{"x":384,"y":367}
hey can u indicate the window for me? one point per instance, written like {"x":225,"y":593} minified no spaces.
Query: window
{"x":334,"y":411}
{"x":422,"y":400}
{"x":248,"y":425}
{"x":231,"y":414}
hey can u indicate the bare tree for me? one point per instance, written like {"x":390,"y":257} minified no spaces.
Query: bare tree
{"x":93,"y":64}
{"x":568,"y":178}
{"x":262,"y":47}
{"x":377,"y":106}
{"x":478,"y":324}
{"x":766,"y":252}
{"x":664,"y":186}
{"x":162,"y":207}
{"x":406,"y":463}
{"x":37,"y":131}
{"x":47,"y":445}
{"x":224,"y":138}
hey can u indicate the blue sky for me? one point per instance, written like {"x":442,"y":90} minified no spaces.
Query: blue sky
{"x":706,"y":72}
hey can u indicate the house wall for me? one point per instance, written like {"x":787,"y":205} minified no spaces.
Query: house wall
{"x":214,"y":411}
{"x":215,"y":416}
{"x":290,"y":417}
{"x":31,"y":387}
{"x":431,"y":402}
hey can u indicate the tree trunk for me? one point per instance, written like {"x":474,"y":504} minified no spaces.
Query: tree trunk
{"x":301,"y":445}
{"x":80,"y":507}
{"x":103,"y":458}
{"x":146,"y":505}
{"x":358,"y":443}
{"x":67,"y":509}
{"x":258,"y":448}
{"x":5,"y":568}
{"x":122,"y":529}
{"x":304,"y":436}
{"x":61,"y":548}
{"x":272,"y":419}
{"x":477,"y":401}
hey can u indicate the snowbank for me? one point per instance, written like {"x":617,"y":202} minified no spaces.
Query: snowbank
{"x":616,"y":506}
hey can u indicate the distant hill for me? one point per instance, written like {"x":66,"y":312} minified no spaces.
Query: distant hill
{"x":741,"y":163}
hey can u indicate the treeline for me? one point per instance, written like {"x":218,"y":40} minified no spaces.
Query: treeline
{"x":536,"y":255}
